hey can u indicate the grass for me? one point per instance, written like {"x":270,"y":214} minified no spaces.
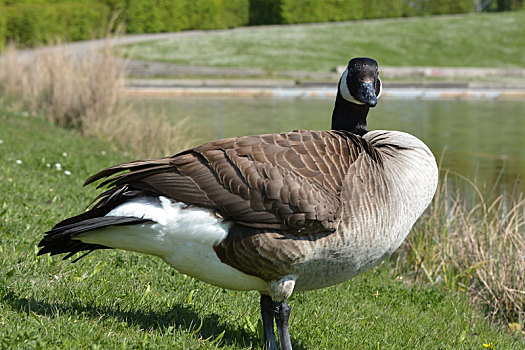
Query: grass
{"x":115,"y":299}
{"x":472,"y":40}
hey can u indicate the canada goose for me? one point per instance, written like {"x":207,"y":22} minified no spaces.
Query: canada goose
{"x":274,"y":213}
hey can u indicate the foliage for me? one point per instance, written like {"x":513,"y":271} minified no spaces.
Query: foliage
{"x":505,"y":5}
{"x":235,"y":13}
{"x":302,"y":11}
{"x":37,"y":23}
{"x":3,"y":27}
{"x":265,"y":12}
{"x":384,"y":8}
{"x":31,"y":22}
{"x":150,"y":16}
{"x":442,"y":7}
{"x":143,"y":16}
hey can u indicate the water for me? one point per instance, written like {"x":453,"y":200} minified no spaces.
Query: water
{"x":483,"y":140}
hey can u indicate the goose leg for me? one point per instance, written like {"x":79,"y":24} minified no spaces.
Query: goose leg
{"x":282,"y":314}
{"x":267,"y":313}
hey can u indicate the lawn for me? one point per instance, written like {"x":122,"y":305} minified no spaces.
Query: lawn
{"x":472,"y":40}
{"x":114,"y":299}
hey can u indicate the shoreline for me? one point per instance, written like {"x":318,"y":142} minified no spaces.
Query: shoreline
{"x":322,"y":92}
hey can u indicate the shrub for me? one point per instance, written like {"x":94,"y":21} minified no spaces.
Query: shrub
{"x":3,"y":28}
{"x":383,"y":8}
{"x":450,"y":6}
{"x":171,"y":16}
{"x":31,"y":24}
{"x":235,"y":13}
{"x":265,"y":12}
{"x":301,"y":11}
{"x":149,"y":16}
{"x":143,"y":16}
{"x":202,"y":14}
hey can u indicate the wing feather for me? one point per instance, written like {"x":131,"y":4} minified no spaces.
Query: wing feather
{"x":287,"y":181}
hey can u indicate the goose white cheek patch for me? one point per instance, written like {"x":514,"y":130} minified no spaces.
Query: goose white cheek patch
{"x":345,"y":92}
{"x":380,"y":88}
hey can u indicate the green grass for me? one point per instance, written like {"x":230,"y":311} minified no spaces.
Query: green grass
{"x":114,"y":299}
{"x":473,"y":40}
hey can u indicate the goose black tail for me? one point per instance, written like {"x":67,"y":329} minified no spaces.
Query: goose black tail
{"x":59,"y":240}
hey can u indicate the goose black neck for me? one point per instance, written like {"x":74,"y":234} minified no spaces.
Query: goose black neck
{"x":349,"y":116}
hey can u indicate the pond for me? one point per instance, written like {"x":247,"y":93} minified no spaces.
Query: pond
{"x":483,"y":140}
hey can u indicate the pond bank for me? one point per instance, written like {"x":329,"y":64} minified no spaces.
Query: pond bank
{"x":290,"y":89}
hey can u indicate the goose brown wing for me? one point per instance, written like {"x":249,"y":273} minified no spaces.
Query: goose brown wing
{"x":287,"y":181}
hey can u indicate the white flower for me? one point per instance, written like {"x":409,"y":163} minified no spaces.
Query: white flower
{"x":48,"y":165}
{"x":67,"y":172}
{"x":18,"y":161}
{"x":58,"y":166}
{"x":1,"y":141}
{"x":64,"y":154}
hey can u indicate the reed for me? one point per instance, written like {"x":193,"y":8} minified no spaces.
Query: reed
{"x":474,"y":244}
{"x":85,"y":93}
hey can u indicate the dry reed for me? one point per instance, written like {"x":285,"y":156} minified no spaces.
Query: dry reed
{"x":475,"y":245}
{"x":85,"y":93}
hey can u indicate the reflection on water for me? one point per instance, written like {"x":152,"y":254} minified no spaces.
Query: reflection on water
{"x":482,"y":140}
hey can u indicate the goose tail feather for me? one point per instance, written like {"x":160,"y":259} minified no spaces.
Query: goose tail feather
{"x":60,"y":239}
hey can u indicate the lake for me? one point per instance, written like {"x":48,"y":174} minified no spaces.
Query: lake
{"x":483,"y":140}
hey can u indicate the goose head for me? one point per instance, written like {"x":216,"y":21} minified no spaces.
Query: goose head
{"x":359,"y":89}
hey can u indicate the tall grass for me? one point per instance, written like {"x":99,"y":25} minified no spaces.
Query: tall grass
{"x":84,"y":93}
{"x":475,"y":245}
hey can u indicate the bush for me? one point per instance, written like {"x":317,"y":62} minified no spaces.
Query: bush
{"x":143,"y":16}
{"x":235,"y":13}
{"x":383,"y":8}
{"x":150,"y":16}
{"x":3,"y":27}
{"x":265,"y":12}
{"x":449,"y":6}
{"x":171,"y":15}
{"x":302,"y":11}
{"x":31,"y":24}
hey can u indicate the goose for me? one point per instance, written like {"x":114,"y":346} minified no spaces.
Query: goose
{"x":274,"y":213}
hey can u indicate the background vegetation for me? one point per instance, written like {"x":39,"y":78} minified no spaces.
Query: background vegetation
{"x":86,"y":96}
{"x":31,"y":22}
{"x":37,"y":23}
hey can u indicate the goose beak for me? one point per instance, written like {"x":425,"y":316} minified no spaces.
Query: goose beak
{"x":367,"y":93}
